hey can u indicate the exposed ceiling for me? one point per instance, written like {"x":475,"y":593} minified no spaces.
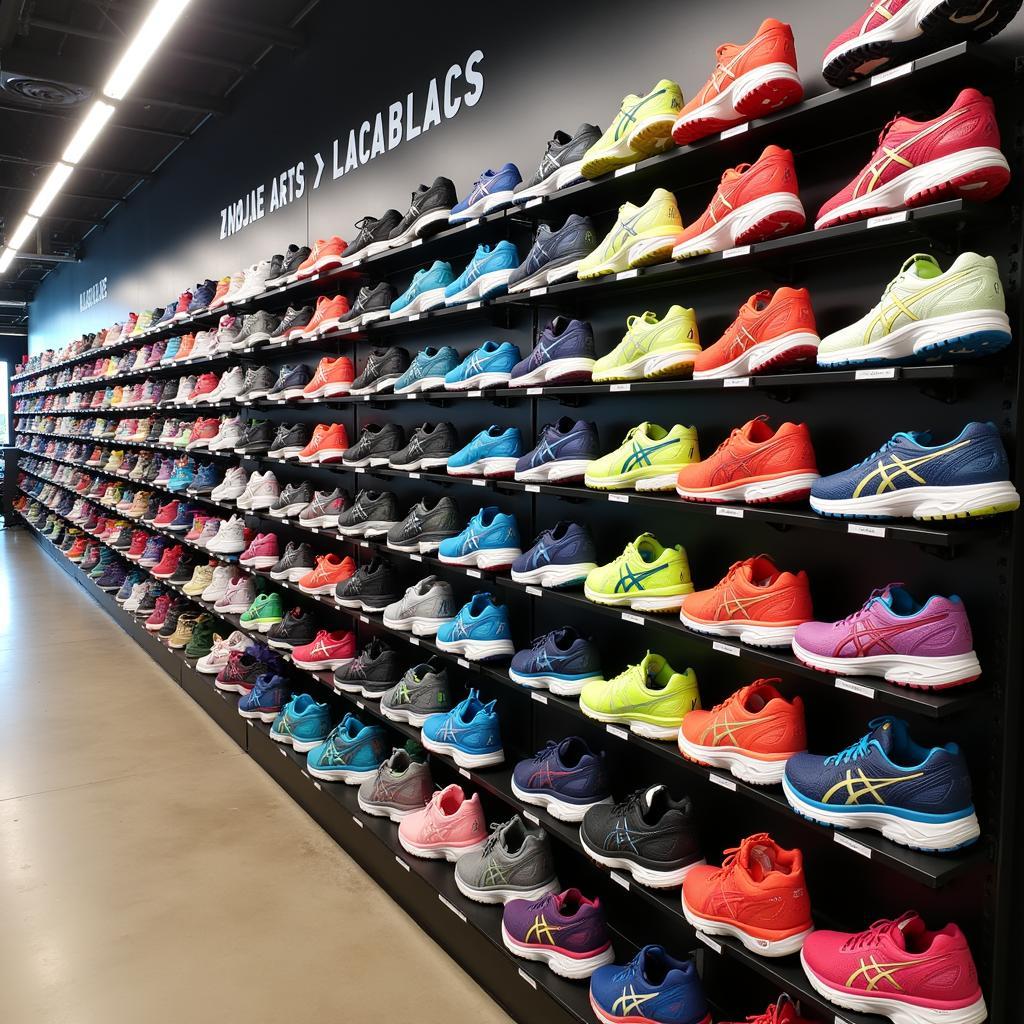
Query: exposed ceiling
{"x":55,"y":56}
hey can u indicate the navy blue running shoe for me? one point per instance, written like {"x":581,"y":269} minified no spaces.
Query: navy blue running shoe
{"x":564,"y":450}
{"x":556,"y":254}
{"x":564,"y":352}
{"x":562,"y":660}
{"x":565,"y":778}
{"x":559,"y":557}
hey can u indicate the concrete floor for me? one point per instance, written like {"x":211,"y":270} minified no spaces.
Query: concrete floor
{"x":149,"y":871}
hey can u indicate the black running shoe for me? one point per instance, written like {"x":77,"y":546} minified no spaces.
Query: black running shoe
{"x":296,"y":629}
{"x":371,"y":304}
{"x":297,"y":560}
{"x":283,"y":268}
{"x":428,"y":212}
{"x":258,"y":384}
{"x":291,"y":382}
{"x":289,"y":441}
{"x":429,"y":447}
{"x":372,"y":514}
{"x":428,"y":523}
{"x":294,"y":321}
{"x":560,"y":165}
{"x":376,"y":444}
{"x":373,"y":672}
{"x":373,"y":237}
{"x":556,"y":254}
{"x":383,"y":367}
{"x":257,"y":437}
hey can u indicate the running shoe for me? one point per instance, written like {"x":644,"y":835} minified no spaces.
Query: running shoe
{"x":562,"y":661}
{"x":422,"y":691}
{"x":652,"y":348}
{"x":423,"y":609}
{"x":755,"y":602}
{"x":401,"y":786}
{"x":485,"y":276}
{"x":565,"y":930}
{"x":302,"y":723}
{"x":645,"y":577}
{"x":428,"y":370}
{"x":758,"y":895}
{"x":641,"y":235}
{"x":561,"y":164}
{"x":926,"y":313}
{"x":555,"y":255}
{"x":752,"y":733}
{"x":451,"y":824}
{"x":469,"y":733}
{"x":895,"y":636}
{"x":560,"y":557}
{"x":327,"y":650}
{"x":641,"y":128}
{"x":493,"y":454}
{"x":914,"y":795}
{"x":515,"y":864}
{"x":900,"y":969}
{"x":908,"y":476}
{"x":491,"y":191}
{"x":566,"y":778}
{"x":563,"y":452}
{"x":564,"y":353}
{"x":754,"y":464}
{"x":753,"y":203}
{"x":490,"y":541}
{"x":426,"y":291}
{"x":651,"y":698}
{"x":782,"y":1011}
{"x":955,"y":155}
{"x":749,"y":80}
{"x":649,"y":459}
{"x":488,"y":366}
{"x":352,"y":753}
{"x":653,"y":988}
{"x":772,"y":331}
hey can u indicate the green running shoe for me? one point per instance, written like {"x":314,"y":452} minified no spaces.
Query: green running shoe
{"x":645,"y":577}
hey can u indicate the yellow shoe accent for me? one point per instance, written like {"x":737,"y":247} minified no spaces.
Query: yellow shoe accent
{"x":639,"y":230}
{"x":652,"y":348}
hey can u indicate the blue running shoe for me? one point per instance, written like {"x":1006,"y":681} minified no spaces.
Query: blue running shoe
{"x":559,"y":557}
{"x":266,"y":699}
{"x":173,"y":344}
{"x":564,"y":352}
{"x":468,"y":733}
{"x":561,"y":660}
{"x":490,"y":541}
{"x":653,"y":988}
{"x":486,"y":367}
{"x":135,"y":576}
{"x":427,"y":371}
{"x":303,"y":723}
{"x":916,"y":796}
{"x":480,"y":632}
{"x":564,"y":450}
{"x":182,"y":477}
{"x":207,"y":477}
{"x":352,"y":753}
{"x":168,"y":313}
{"x":182,"y":522}
{"x":565,"y":778}
{"x":908,"y":476}
{"x":490,"y":192}
{"x":492,"y":453}
{"x":555,"y":255}
{"x":153,"y":551}
{"x":426,"y":290}
{"x":201,"y":297}
{"x":486,"y":274}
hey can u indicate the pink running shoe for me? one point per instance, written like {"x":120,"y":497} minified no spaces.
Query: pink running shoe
{"x":261,"y":553}
{"x":449,"y":826}
{"x":899,"y":969}
{"x":927,"y":646}
{"x":954,"y":155}
{"x":328,"y":650}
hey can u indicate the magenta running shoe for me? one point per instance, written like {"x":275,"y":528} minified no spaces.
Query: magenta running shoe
{"x":564,"y":930}
{"x":926,"y":645}
{"x":899,"y":969}
{"x":261,"y":553}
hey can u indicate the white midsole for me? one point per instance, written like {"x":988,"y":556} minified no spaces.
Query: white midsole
{"x":723,"y":106}
{"x":494,"y":465}
{"x":547,"y":274}
{"x":503,"y":895}
{"x":734,"y":225}
{"x":919,"y":670}
{"x":481,"y":380}
{"x":648,"y":730}
{"x":565,"y":175}
{"x":922,"y":502}
{"x":439,"y":851}
{"x":645,"y":876}
{"x":743,"y":766}
{"x":668,"y":602}
{"x":379,"y":811}
{"x":550,"y":472}
{"x":476,"y":650}
{"x":676,"y":359}
{"x":552,"y":371}
{"x":748,"y":632}
{"x":757,"y":356}
{"x":565,"y":966}
{"x":483,"y":558}
{"x":482,"y":286}
{"x":763,"y":947}
{"x":756,"y":490}
{"x":554,"y":575}
{"x":559,"y":809}
{"x":460,"y":756}
{"x":425,"y":301}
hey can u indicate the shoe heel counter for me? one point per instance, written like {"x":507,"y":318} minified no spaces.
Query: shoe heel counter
{"x":775,"y":44}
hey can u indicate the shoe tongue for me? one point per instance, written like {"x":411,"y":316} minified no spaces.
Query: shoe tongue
{"x":561,"y":138}
{"x":886,"y":731}
{"x":758,"y":860}
{"x":654,"y":798}
{"x":907,"y":926}
{"x":727,"y":51}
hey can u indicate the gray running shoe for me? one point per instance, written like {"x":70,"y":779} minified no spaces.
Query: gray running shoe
{"x":515,"y":863}
{"x":423,"y":607}
{"x":371,"y":304}
{"x":423,"y":691}
{"x":429,"y":447}
{"x":401,"y":786}
{"x":256,"y":327}
{"x":383,"y":367}
{"x":297,"y":560}
{"x":560,"y":165}
{"x":372,"y":514}
{"x":376,"y":444}
{"x":372,"y":587}
{"x":292,"y":499}
{"x":259,"y":385}
{"x":325,"y":508}
{"x":426,"y":526}
{"x":372,"y":673}
{"x":289,"y":441}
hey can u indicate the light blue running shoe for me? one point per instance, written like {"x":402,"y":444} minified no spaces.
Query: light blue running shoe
{"x":486,"y":367}
{"x":492,"y":453}
{"x":469,"y":733}
{"x":490,"y":192}
{"x":426,"y":291}
{"x":303,"y":723}
{"x":182,"y":477}
{"x":485,"y":276}
{"x":490,"y":541}
{"x":480,"y":632}
{"x":352,"y":753}
{"x":427,"y":371}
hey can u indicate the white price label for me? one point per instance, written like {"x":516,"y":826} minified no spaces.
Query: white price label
{"x":533,"y":202}
{"x":621,"y":498}
{"x":717,"y":645}
{"x":614,"y":388}
{"x":622,"y":734}
{"x":897,"y":72}
{"x":709,"y":942}
{"x":619,"y":879}
{"x":739,"y":250}
{"x":472,"y":305}
{"x":415,"y":242}
{"x":637,"y":620}
{"x":532,"y":489}
{"x":414,"y":640}
{"x":729,"y":512}
{"x":304,"y":773}
{"x":887,"y":218}
{"x":737,"y":129}
{"x":852,"y":844}
{"x":416,"y":558}
{"x":462,"y":662}
{"x":401,"y":863}
{"x":414,"y":316}
{"x":864,"y":530}
{"x":538,"y":291}
{"x":876,"y":373}
{"x":736,"y":382}
{"x":535,"y":591}
{"x":530,"y":816}
{"x":522,"y":974}
{"x":464,"y":773}
{"x":625,"y":275}
{"x":628,"y":169}
{"x":475,"y":573}
{"x":363,"y":618}
{"x":357,"y":821}
{"x":478,"y":483}
{"x":852,"y":687}
{"x":474,"y":394}
{"x":534,"y":391}
{"x":721,"y":780}
{"x":414,"y":476}
{"x":472,"y":223}
{"x":540,"y":698}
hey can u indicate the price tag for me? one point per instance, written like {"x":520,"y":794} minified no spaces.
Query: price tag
{"x":852,"y":844}
{"x":472,"y":223}
{"x":473,"y":305}
{"x":739,"y":250}
{"x":625,"y":275}
{"x":621,"y":498}
{"x":530,"y":816}
{"x":532,"y":489}
{"x":897,"y":72}
{"x":414,"y":316}
{"x":540,"y":698}
{"x":628,"y":169}
{"x":614,"y":388}
{"x":721,"y":780}
{"x":876,"y":373}
{"x":736,"y":382}
{"x":474,"y":394}
{"x":414,"y":640}
{"x":476,"y":482}
{"x":522,"y":974}
{"x":401,"y":863}
{"x":416,"y":558}
{"x":887,"y":218}
{"x":729,"y":512}
{"x":475,"y":573}
{"x":852,"y":687}
{"x":538,"y":291}
{"x":737,"y":129}
{"x":464,"y":773}
{"x":414,"y":476}
{"x":619,"y":879}
{"x":415,"y":242}
{"x":363,"y":618}
{"x":304,"y":772}
{"x":864,"y":530}
{"x":709,"y":942}
{"x":535,"y":591}
{"x":637,"y":620}
{"x":622,"y":734}
{"x":357,"y":821}
{"x":534,"y":391}
{"x":533,"y":202}
{"x":717,"y":645}
{"x":462,"y":662}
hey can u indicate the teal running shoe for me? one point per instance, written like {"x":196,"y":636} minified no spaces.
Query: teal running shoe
{"x":426,"y":291}
{"x":428,"y":370}
{"x":352,"y":753}
{"x":486,"y":274}
{"x":303,"y":724}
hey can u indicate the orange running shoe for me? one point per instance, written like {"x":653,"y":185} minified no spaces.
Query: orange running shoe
{"x":188,"y":342}
{"x":771,"y":331}
{"x":754,"y":602}
{"x":748,"y":81}
{"x":755,"y":464}
{"x":326,"y":315}
{"x":329,"y":572}
{"x":754,"y":202}
{"x":328,"y":443}
{"x":325,"y":254}
{"x":222,"y":289}
{"x":332,"y":377}
{"x":758,"y":896}
{"x":753,"y":733}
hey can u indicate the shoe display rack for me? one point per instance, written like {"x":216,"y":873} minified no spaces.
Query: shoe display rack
{"x":853,"y":876}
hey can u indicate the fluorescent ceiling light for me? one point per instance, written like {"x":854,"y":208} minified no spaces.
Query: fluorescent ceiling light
{"x":53,"y":184}
{"x":6,"y":258}
{"x":151,"y":34}
{"x":22,"y":231}
{"x":91,"y":126}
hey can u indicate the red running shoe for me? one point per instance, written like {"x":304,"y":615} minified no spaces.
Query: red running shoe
{"x":748,"y":81}
{"x":899,"y":969}
{"x":781,"y":1012}
{"x":954,"y":155}
{"x":327,"y":650}
{"x":754,"y":202}
{"x":168,"y":564}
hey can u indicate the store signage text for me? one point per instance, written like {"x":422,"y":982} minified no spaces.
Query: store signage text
{"x":93,"y":295}
{"x":404,"y":120}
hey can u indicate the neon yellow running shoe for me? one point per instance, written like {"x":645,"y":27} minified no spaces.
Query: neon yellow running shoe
{"x":642,"y":127}
{"x":649,"y":459}
{"x":652,"y":348}
{"x":646,"y":577}
{"x":639,"y":231}
{"x":651,"y":698}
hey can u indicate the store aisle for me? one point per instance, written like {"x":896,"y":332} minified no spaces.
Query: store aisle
{"x":150,"y":871}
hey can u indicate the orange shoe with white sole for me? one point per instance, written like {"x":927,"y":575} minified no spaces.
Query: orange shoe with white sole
{"x":752,"y":733}
{"x":749,"y":81}
{"x":772,"y":331}
{"x":755,"y":602}
{"x":754,"y":202}
{"x":325,"y":255}
{"x":754,"y":464}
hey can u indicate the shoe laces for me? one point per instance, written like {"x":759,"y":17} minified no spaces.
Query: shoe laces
{"x":854,"y":752}
{"x":875,"y":595}
{"x":492,"y":839}
{"x":732,"y":854}
{"x":870,"y":935}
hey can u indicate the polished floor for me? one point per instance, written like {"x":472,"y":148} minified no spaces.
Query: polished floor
{"x":149,"y":871}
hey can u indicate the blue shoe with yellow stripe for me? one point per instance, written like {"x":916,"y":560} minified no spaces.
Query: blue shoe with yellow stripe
{"x":653,"y":987}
